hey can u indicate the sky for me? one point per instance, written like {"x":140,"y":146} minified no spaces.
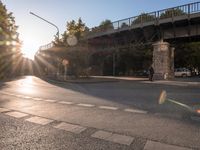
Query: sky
{"x":34,"y":32}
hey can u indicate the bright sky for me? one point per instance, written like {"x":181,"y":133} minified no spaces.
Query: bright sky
{"x":35,"y":32}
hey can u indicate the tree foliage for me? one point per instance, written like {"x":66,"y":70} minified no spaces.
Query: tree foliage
{"x":9,"y":42}
{"x":143,"y":17}
{"x":77,"y":29}
{"x":124,"y":25}
{"x":103,"y":26}
{"x":106,"y":24}
{"x":172,"y":12}
{"x":76,"y":54}
{"x":188,"y":55}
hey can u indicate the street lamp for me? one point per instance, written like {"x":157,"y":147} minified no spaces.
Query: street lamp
{"x":47,"y":22}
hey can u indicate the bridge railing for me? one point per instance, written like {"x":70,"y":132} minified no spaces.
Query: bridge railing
{"x":149,"y":17}
{"x":47,"y":46}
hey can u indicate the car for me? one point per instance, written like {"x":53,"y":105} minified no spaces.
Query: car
{"x":182,"y":72}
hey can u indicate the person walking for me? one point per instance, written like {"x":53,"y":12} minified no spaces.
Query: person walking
{"x":151,"y":72}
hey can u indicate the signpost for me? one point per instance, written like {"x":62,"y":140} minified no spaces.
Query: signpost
{"x":65,"y":63}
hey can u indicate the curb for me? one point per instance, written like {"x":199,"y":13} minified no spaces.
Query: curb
{"x":80,"y":82}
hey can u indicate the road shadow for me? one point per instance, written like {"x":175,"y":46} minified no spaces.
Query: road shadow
{"x":138,"y":95}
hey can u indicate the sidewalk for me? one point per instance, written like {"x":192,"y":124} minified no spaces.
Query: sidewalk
{"x":83,"y":80}
{"x":176,"y":81}
{"x":185,"y":82}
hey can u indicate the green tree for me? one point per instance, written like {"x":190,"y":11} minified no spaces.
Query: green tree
{"x":77,"y":29}
{"x":76,"y":54}
{"x":106,"y":25}
{"x":188,"y":55}
{"x":103,"y":26}
{"x":9,"y":42}
{"x":142,"y":18}
{"x":172,"y":12}
{"x":124,"y":25}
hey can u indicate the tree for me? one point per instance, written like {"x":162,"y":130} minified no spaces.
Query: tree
{"x":172,"y":12}
{"x":188,"y":55}
{"x":106,"y":25}
{"x":142,"y":18}
{"x":74,"y":48}
{"x":77,"y":29}
{"x":124,"y":25}
{"x":9,"y":42}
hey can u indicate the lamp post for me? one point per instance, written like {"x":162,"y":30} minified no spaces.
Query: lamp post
{"x":47,"y":22}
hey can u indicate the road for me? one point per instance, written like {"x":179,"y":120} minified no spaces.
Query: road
{"x":125,"y":114}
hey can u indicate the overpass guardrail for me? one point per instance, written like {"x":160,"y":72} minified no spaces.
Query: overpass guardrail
{"x":173,"y":12}
{"x":183,"y":10}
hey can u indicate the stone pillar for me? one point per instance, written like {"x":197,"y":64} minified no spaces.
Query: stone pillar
{"x":163,"y":61}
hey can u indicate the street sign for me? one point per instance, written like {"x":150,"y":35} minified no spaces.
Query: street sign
{"x":65,"y":62}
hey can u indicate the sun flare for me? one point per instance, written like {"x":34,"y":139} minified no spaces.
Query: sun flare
{"x":29,"y":48}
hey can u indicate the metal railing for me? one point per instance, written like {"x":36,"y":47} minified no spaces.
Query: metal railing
{"x":47,"y":46}
{"x":139,"y":20}
{"x":187,"y":9}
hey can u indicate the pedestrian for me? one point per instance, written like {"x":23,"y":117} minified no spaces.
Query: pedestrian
{"x":151,"y":72}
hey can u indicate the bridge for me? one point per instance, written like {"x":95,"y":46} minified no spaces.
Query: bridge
{"x":160,"y":29}
{"x":177,"y":22}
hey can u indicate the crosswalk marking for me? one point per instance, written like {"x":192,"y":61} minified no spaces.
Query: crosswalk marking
{"x":151,"y":145}
{"x":16,"y":114}
{"x":3,"y":110}
{"x":39,"y":120}
{"x":70,"y":127}
{"x":116,"y":138}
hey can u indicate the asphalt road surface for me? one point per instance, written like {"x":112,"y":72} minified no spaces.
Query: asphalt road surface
{"x":125,"y":114}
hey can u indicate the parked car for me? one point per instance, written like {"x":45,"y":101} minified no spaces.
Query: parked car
{"x":182,"y":72}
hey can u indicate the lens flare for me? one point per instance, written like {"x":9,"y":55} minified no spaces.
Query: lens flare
{"x":162,"y":97}
{"x":72,"y":40}
{"x":198,"y":111}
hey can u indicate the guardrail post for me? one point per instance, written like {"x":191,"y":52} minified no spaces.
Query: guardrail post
{"x":188,"y":11}
{"x":118,"y":24}
{"x":188,"y":8}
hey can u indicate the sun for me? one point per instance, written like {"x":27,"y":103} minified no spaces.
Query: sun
{"x":28,"y":55}
{"x":29,"y":48}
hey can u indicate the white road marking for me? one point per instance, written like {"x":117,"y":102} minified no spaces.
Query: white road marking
{"x":65,"y":102}
{"x":16,"y":114}
{"x":151,"y":145}
{"x":108,"y":107}
{"x":3,"y":110}
{"x":11,"y":94}
{"x":85,"y":105}
{"x":39,"y":120}
{"x":50,"y":100}
{"x":37,"y":99}
{"x":20,"y":96}
{"x":27,"y":97}
{"x":116,"y":138}
{"x":135,"y":111}
{"x":70,"y":127}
